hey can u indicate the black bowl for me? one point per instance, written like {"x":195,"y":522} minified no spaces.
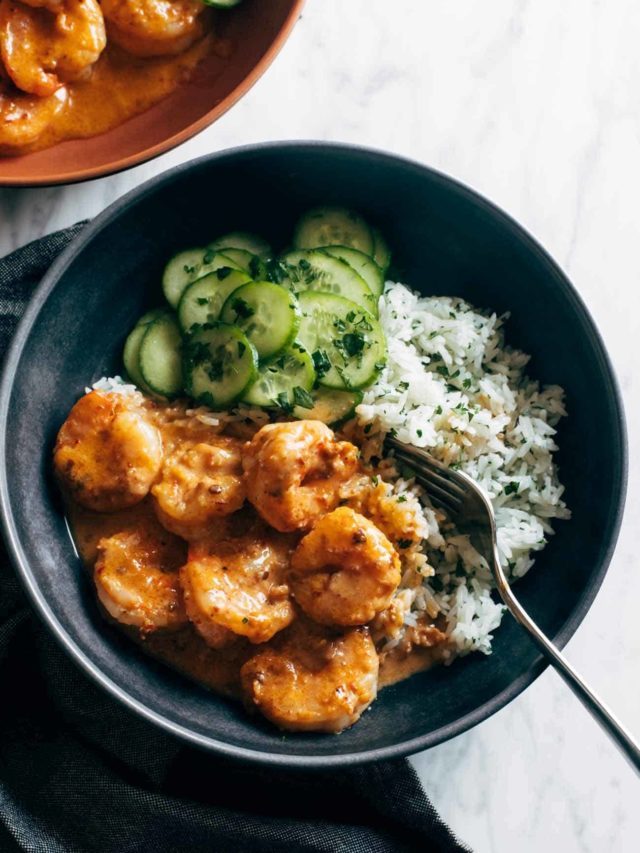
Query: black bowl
{"x":446,"y":239}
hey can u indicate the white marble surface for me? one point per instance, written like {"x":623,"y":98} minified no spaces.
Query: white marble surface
{"x":536,"y":105}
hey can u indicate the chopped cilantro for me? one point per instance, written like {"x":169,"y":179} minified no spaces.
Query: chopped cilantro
{"x":255,"y":267}
{"x":511,"y":488}
{"x":243,"y":309}
{"x":353,"y":343}
{"x":321,"y":362}
{"x":302,"y":398}
{"x":282,"y":402}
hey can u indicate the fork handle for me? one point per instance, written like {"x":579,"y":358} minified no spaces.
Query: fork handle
{"x":623,"y":738}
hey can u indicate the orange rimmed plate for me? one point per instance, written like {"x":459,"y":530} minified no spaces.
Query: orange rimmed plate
{"x":255,"y":28}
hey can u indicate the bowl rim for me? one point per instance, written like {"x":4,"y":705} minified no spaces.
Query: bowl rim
{"x":21,"y":563}
{"x":125,"y":163}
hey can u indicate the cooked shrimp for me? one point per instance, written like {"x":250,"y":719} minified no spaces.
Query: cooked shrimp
{"x":310,"y":679}
{"x":154,"y":27}
{"x":344,"y":571}
{"x":44,"y":45}
{"x":137,"y":580}
{"x":294,"y":472}
{"x":24,"y":118}
{"x":198,"y":484}
{"x":238,"y":585}
{"x":108,"y":453}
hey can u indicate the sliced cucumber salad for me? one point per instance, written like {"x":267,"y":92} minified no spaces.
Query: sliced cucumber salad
{"x":315,"y":270}
{"x":219,"y":364}
{"x":296,"y":333}
{"x":285,"y":381}
{"x":346,"y":341}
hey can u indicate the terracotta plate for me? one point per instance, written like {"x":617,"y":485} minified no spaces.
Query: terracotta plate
{"x":258,"y":28}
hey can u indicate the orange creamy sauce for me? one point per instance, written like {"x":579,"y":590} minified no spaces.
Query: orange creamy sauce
{"x":119,"y":87}
{"x":184,"y":650}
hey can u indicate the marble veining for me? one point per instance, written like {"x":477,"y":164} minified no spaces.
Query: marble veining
{"x":536,"y":105}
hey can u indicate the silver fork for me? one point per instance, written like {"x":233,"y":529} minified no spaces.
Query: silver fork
{"x":465,"y":502}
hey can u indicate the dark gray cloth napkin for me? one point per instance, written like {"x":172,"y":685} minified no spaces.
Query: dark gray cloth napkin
{"x":78,"y":772}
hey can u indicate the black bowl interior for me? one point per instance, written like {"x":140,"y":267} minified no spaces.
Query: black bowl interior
{"x":445,"y":240}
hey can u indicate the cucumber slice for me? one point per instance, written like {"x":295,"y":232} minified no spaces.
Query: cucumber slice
{"x":252,"y":264}
{"x":242,"y":240}
{"x":202,"y":300}
{"x":219,"y":363}
{"x":365,"y":266}
{"x":267,"y":313}
{"x":131,"y":355}
{"x":316,"y":270}
{"x":333,"y":226}
{"x":346,"y":342}
{"x":188,"y":266}
{"x":131,"y":352}
{"x":330,"y":406}
{"x":160,"y":357}
{"x":284,"y":381}
{"x":381,"y":251}
{"x":150,"y":316}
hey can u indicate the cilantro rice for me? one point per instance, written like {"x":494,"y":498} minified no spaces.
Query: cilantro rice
{"x":452,"y":385}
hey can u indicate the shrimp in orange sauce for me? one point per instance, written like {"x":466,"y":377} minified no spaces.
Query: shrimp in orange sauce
{"x":155,"y":27}
{"x":237,"y":586}
{"x":199,"y":483}
{"x":294,"y":472}
{"x":24,"y":118}
{"x":345,"y":570}
{"x":108,"y":453}
{"x":44,"y":45}
{"x":137,"y":580}
{"x":311,"y":679}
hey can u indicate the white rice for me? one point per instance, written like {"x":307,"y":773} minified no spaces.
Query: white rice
{"x":453,"y":386}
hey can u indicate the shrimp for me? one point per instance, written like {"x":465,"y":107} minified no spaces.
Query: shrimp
{"x":24,"y":118}
{"x":45,"y":45}
{"x":311,"y":679}
{"x":154,"y":27}
{"x":137,"y":580}
{"x":108,"y":454}
{"x":345,"y":571}
{"x":294,"y":472}
{"x":237,"y":586}
{"x":198,"y":484}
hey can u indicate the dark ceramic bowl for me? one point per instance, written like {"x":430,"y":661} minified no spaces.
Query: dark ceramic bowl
{"x":446,"y":239}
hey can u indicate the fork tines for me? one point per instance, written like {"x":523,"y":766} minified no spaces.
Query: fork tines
{"x":441,"y":488}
